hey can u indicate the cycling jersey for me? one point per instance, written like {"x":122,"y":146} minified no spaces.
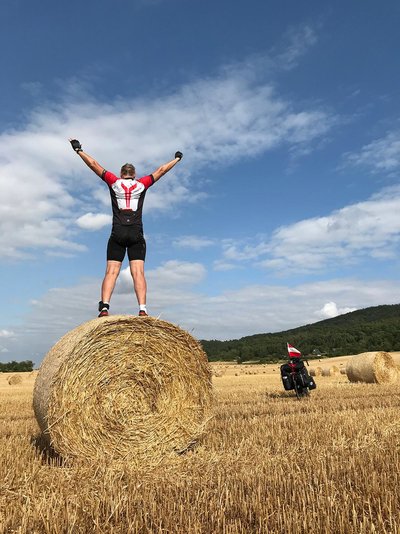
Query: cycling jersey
{"x":127,"y":197}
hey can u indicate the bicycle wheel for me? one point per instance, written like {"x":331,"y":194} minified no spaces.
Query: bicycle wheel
{"x":300,"y":389}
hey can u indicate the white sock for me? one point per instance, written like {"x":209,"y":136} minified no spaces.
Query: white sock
{"x":142,"y":307}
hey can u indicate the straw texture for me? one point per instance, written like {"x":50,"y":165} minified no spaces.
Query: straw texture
{"x":396,"y":358}
{"x":372,"y":367}
{"x":123,"y":387}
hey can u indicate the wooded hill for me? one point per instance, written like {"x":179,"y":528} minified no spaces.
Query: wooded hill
{"x":370,"y":329}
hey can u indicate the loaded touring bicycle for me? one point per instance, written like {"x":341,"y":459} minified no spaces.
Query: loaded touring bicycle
{"x":295,"y":376}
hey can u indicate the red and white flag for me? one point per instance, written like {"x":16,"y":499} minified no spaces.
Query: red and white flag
{"x":293,"y":353}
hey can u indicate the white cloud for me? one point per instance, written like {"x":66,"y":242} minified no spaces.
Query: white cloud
{"x":381,"y":154}
{"x":366,"y":229}
{"x":6,"y":333}
{"x":212,"y":121}
{"x":369,"y":228}
{"x":172,"y":273}
{"x":178,"y":273}
{"x":232,"y":251}
{"x":299,"y":41}
{"x":93,"y":221}
{"x":193,"y":242}
{"x":330,"y":310}
{"x":221,"y":265}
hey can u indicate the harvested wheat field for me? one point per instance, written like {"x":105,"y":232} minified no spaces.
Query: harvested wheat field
{"x":269,"y":463}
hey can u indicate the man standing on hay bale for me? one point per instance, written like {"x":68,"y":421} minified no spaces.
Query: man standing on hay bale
{"x":127,"y":196}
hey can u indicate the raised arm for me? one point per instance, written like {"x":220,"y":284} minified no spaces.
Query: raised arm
{"x":167,"y":166}
{"x":90,"y":162}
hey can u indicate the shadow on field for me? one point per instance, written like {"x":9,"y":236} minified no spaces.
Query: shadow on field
{"x":48,"y":455}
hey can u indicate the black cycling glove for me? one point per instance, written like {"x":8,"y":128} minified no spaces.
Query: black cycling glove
{"x":76,"y":145}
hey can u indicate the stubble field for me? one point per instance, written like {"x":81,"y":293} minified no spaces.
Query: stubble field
{"x":269,"y":464}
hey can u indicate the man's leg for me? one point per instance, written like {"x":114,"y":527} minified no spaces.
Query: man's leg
{"x":139,"y":281}
{"x":110,"y":278}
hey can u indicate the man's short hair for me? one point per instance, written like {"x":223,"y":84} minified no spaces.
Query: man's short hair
{"x":127,"y":168}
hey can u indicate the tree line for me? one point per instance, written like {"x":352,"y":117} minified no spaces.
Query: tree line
{"x":371,"y":329}
{"x":15,"y":367}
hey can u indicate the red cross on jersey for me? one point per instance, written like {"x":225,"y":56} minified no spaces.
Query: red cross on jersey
{"x":127,"y":197}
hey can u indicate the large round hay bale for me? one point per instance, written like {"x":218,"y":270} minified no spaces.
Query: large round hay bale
{"x":372,"y":367}
{"x":13,"y":380}
{"x":123,"y":387}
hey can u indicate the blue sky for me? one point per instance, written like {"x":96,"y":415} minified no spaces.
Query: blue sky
{"x":284,"y":209}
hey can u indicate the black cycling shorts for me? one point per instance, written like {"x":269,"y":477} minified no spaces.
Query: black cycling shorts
{"x":126,"y":238}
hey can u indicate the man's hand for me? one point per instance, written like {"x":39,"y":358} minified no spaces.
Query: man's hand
{"x":76,"y":145}
{"x":167,"y":166}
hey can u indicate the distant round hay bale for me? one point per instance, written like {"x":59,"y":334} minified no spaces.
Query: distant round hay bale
{"x":372,"y":367}
{"x":343,"y":371}
{"x":13,"y":380}
{"x":330,"y":371}
{"x":315,"y":371}
{"x":123,"y":387}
